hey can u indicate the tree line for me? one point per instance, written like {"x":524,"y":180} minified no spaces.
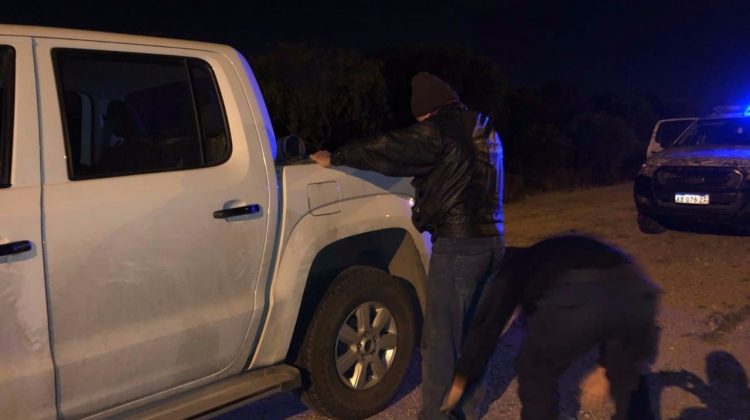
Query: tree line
{"x":554,"y":136}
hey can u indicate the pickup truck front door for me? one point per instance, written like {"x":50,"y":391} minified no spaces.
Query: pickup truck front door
{"x":27,"y":381}
{"x":152,"y":287}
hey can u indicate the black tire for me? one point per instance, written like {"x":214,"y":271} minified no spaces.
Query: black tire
{"x":357,"y":287}
{"x":649,"y":225}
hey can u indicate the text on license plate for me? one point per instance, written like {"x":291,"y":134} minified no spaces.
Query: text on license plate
{"x":691,"y":198}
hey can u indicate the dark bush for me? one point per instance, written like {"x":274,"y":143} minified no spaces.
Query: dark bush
{"x":325,"y":95}
{"x":602,"y":144}
{"x":541,"y":156}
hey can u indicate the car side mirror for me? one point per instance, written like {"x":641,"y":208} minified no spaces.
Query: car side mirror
{"x":290,"y":149}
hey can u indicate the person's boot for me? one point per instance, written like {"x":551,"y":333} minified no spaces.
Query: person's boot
{"x":640,"y":407}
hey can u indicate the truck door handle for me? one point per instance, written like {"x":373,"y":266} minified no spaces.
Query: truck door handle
{"x":237,"y":211}
{"x":15,"y":248}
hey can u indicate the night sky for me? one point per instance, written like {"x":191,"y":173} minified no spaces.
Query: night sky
{"x":688,"y":50}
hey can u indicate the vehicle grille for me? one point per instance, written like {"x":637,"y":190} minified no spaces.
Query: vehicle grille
{"x":696,"y":178}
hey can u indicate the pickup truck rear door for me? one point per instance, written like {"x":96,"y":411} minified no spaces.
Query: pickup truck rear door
{"x":152,"y":280}
{"x":27,"y":381}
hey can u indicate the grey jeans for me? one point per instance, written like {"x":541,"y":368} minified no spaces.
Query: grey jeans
{"x":460,"y":269}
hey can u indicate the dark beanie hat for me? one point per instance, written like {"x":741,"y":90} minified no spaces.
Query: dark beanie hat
{"x":428,"y":93}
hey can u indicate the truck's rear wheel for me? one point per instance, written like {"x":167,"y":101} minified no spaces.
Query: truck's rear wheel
{"x":359,"y":343}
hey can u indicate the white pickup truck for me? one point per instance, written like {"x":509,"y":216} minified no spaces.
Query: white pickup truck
{"x":158,"y":260}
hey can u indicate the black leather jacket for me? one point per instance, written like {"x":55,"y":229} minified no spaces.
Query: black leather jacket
{"x":456,"y":159}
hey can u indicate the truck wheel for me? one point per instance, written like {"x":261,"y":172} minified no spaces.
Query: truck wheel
{"x":359,"y":343}
{"x":649,"y":225}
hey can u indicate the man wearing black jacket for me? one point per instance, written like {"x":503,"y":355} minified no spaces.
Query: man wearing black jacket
{"x":578,"y":293}
{"x":455,"y":157}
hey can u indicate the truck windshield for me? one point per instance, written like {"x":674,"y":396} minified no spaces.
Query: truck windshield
{"x":718,"y":132}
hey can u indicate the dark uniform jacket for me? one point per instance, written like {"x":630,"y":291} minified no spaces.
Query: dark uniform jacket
{"x":455,"y":158}
{"x":529,"y":275}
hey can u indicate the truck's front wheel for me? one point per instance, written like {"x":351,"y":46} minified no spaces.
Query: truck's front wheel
{"x":649,"y":225}
{"x":359,"y":343}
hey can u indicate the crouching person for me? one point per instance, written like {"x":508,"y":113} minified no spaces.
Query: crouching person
{"x":578,"y":293}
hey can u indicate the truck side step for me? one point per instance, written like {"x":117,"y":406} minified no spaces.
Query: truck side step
{"x":224,"y":396}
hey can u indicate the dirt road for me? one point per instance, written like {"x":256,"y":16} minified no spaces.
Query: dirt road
{"x":701,"y":371}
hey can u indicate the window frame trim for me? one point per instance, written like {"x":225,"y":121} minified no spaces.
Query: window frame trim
{"x":191,"y":63}
{"x":7,"y":115}
{"x":185,"y":61}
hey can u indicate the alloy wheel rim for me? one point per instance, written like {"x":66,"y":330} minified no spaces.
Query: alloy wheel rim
{"x":366,"y":346}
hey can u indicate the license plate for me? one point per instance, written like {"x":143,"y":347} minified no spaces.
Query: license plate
{"x":691,"y":198}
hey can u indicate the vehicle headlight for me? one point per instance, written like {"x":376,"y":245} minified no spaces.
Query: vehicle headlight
{"x":648,"y":169}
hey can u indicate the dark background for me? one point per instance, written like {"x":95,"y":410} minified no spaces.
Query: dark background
{"x":694,"y":50}
{"x":574,"y":86}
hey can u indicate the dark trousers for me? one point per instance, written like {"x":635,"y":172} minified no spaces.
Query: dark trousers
{"x":460,"y":269}
{"x":572,"y":319}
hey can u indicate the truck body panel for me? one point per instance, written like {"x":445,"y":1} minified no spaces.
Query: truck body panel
{"x":27,"y":381}
{"x":366,"y":202}
{"x":177,"y":283}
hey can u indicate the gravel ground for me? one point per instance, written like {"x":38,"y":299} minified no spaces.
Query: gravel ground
{"x":701,"y":371}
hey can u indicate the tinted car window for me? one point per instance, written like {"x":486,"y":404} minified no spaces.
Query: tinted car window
{"x":6,"y":113}
{"x":127,"y":113}
{"x":210,"y":116}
